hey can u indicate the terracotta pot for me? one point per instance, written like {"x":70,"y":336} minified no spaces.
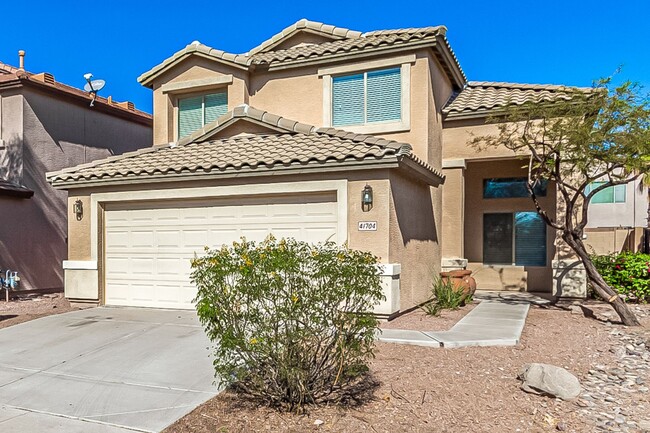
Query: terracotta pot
{"x":462,"y":280}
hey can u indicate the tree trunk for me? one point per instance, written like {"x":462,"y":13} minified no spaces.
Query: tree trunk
{"x":600,"y":286}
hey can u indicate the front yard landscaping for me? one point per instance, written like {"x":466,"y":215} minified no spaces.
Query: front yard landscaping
{"x":476,"y":389}
{"x":32,"y":307}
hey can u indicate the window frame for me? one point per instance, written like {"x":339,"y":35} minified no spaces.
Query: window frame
{"x":365,"y":77}
{"x":513,"y":216}
{"x":177,"y":106}
{"x":403,"y":62}
{"x":542,"y":188}
{"x":595,"y":185}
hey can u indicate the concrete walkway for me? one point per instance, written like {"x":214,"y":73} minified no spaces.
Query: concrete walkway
{"x":491,"y":323}
{"x":103,"y":370}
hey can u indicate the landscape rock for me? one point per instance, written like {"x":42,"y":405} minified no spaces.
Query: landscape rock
{"x":546,"y":379}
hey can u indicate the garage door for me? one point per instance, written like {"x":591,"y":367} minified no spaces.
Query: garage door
{"x":148,"y":248}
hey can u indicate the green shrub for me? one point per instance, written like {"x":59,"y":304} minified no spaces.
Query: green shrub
{"x":444,"y":296}
{"x":291,"y":321}
{"x":627,"y":273}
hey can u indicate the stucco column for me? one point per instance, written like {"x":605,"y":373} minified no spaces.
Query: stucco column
{"x":453,"y":214}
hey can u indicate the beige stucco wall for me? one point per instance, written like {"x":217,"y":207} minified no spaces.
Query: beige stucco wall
{"x":376,"y":242}
{"x":453,"y":213}
{"x":608,"y":240}
{"x":496,"y":277}
{"x":52,"y":133}
{"x":165,"y":112}
{"x":458,"y":134}
{"x":414,"y":237}
{"x":296,"y":94}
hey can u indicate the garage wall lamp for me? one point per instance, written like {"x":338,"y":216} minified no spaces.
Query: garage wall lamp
{"x":366,"y":198}
{"x":78,"y":209}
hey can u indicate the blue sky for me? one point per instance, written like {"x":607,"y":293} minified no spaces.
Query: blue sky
{"x":550,"y":41}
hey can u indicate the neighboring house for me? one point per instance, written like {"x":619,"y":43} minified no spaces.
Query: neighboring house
{"x":288,"y":138}
{"x":617,"y":218}
{"x":46,"y":125}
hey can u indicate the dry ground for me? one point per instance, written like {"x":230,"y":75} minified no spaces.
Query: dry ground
{"x":32,"y":307}
{"x":443,"y":390}
{"x":418,"y":320}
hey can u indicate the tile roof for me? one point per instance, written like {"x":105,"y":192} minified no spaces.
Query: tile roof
{"x":367,"y":41}
{"x":345,"y":42}
{"x":10,"y":74}
{"x":293,"y":145}
{"x":313,"y":26}
{"x":479,"y":97}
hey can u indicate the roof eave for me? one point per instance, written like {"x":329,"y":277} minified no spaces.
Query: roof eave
{"x":146,"y":79}
{"x":243,"y":172}
{"x":449,"y":59}
{"x":415,"y":169}
{"x":277,"y":66}
{"x":477,"y":114}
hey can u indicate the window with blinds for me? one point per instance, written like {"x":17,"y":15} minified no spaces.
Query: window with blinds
{"x":370,"y":97}
{"x":517,"y":238}
{"x":197,"y":111}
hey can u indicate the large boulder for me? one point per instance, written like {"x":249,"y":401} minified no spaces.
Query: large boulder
{"x":545,"y":379}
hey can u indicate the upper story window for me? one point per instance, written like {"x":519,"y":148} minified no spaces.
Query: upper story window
{"x":196,"y":111}
{"x":367,"y":98}
{"x":511,"y":187}
{"x":612,"y":194}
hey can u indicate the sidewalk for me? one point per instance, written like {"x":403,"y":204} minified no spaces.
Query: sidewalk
{"x":491,"y":323}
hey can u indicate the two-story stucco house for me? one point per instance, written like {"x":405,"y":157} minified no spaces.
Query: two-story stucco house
{"x":46,"y":125}
{"x":293,"y":138}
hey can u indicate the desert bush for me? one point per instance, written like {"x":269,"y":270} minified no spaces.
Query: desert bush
{"x":444,"y":296}
{"x":627,"y":273}
{"x":291,"y":321}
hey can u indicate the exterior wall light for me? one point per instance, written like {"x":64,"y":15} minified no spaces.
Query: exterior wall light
{"x":366,"y":198}
{"x":78,"y":209}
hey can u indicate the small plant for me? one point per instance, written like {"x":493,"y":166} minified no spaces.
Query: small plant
{"x":628,"y":273}
{"x":445,"y":296}
{"x":292,"y":322}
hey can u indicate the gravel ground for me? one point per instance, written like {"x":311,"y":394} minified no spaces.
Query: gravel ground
{"x":475,"y":389}
{"x":32,"y":307}
{"x":418,"y":320}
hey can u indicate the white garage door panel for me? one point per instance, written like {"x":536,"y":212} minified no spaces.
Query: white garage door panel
{"x":148,"y":251}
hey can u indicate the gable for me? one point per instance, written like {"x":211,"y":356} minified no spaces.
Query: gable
{"x":239,"y":127}
{"x":302,"y":38}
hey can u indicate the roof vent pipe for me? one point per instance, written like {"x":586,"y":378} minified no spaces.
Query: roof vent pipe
{"x":21,"y":60}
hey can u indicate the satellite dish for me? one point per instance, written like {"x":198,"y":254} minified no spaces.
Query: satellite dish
{"x":93,"y":86}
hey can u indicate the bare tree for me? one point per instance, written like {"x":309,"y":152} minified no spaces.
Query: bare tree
{"x":583,"y":141}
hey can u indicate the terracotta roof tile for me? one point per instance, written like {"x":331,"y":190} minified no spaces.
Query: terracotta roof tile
{"x":347,"y":42}
{"x":290,"y":147}
{"x":314,"y":26}
{"x":482,"y":96}
{"x":372,"y":40}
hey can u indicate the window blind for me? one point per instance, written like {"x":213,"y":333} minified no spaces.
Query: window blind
{"x":190,"y":115}
{"x":530,"y":239}
{"x":216,"y":105}
{"x":348,"y":100}
{"x":384,"y":95}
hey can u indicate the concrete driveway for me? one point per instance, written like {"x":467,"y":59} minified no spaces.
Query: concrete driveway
{"x":103,"y":370}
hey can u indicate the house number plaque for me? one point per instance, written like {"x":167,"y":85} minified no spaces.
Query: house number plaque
{"x":367,"y":226}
